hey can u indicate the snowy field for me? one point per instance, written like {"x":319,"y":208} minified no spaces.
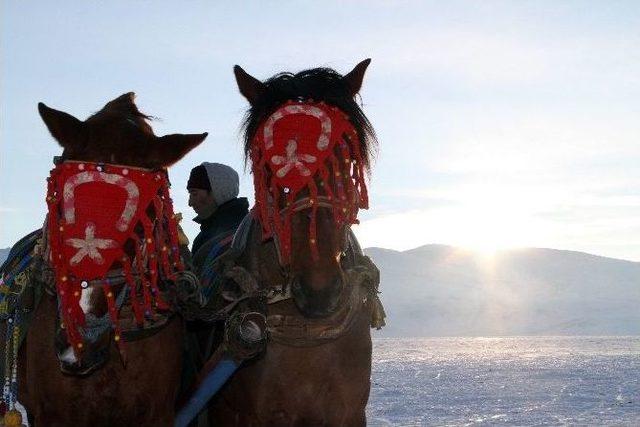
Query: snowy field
{"x":521,"y":381}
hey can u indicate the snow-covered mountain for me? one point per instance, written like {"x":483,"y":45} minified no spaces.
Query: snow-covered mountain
{"x":439,"y":290}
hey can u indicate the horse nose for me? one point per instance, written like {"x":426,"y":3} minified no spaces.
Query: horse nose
{"x":317,"y":299}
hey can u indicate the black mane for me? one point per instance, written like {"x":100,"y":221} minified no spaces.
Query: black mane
{"x":317,"y":84}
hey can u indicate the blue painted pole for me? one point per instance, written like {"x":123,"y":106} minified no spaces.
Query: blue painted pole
{"x":209,"y":386}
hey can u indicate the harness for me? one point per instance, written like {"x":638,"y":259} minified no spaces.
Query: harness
{"x":305,"y":155}
{"x":247,"y":331}
{"x":362,"y":280}
{"x":18,"y":297}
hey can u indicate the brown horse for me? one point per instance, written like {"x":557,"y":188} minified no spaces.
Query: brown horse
{"x":322,"y":295}
{"x":99,"y":389}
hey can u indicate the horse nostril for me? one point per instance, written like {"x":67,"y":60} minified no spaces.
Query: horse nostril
{"x":317,"y":299}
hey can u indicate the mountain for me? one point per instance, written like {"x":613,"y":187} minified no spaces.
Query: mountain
{"x":438,"y":290}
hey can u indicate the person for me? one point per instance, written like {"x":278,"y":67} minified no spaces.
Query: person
{"x":213,"y":195}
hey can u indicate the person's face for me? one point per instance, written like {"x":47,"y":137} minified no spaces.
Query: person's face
{"x":201,"y":200}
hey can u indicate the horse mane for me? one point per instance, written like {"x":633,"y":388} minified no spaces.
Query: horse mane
{"x":124,"y":107}
{"x":316,"y":84}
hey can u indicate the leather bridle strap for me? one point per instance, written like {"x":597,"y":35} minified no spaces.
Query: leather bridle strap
{"x":307,"y":203}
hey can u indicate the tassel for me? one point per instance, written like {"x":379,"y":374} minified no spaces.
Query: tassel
{"x":113,"y":315}
{"x":378,"y":314}
{"x":144,"y":283}
{"x":136,"y":305}
{"x":313,"y":243}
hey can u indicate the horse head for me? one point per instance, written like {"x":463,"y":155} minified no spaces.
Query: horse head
{"x":119,"y":134}
{"x":310,"y":146}
{"x":115,"y":138}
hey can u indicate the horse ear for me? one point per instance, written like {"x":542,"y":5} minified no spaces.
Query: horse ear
{"x":168,"y":149}
{"x":355,"y":77}
{"x":250,"y":87}
{"x":66,"y":129}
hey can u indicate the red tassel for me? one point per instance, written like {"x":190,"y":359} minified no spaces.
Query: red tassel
{"x":138,"y":310}
{"x":144,"y":283}
{"x":113,"y":315}
{"x":313,"y":228}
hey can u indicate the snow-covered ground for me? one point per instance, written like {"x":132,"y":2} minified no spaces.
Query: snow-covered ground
{"x":506,"y":381}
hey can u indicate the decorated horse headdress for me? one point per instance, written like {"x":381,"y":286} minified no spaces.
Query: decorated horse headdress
{"x":95,"y":212}
{"x":111,"y":223}
{"x":309,"y":145}
{"x":311,"y":148}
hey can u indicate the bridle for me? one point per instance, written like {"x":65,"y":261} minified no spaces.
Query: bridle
{"x":301,"y":204}
{"x":307,"y":156}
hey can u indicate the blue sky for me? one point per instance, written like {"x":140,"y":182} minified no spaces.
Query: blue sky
{"x":501,"y":124}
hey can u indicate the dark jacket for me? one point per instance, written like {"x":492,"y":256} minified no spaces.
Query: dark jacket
{"x":223,"y":221}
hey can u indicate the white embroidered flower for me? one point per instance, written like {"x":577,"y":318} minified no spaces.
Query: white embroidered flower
{"x":292,"y":160}
{"x":89,"y":246}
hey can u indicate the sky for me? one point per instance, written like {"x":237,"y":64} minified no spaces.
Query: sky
{"x":501,"y":123}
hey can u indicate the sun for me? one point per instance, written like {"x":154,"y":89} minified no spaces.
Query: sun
{"x":483,"y":219}
{"x":489,"y":220}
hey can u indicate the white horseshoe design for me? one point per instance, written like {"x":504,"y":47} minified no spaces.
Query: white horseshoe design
{"x":133,"y":195}
{"x":325,"y":123}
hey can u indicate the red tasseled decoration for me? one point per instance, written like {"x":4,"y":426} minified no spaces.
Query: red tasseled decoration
{"x":312,"y":147}
{"x":94,"y":209}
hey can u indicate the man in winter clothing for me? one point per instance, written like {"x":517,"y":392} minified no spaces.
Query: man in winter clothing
{"x":213,"y":195}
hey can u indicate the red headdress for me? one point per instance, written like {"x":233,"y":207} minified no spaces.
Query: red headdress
{"x":299,"y":147}
{"x":94,"y":210}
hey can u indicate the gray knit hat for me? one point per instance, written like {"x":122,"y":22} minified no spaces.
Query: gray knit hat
{"x":224,"y":182}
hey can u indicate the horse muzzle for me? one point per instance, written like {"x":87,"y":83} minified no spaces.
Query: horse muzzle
{"x":93,"y":357}
{"x":317,"y":301}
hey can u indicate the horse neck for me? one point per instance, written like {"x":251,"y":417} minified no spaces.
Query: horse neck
{"x":261,"y":258}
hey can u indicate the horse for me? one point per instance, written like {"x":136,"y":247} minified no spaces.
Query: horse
{"x":298,"y":252}
{"x":121,"y":376}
